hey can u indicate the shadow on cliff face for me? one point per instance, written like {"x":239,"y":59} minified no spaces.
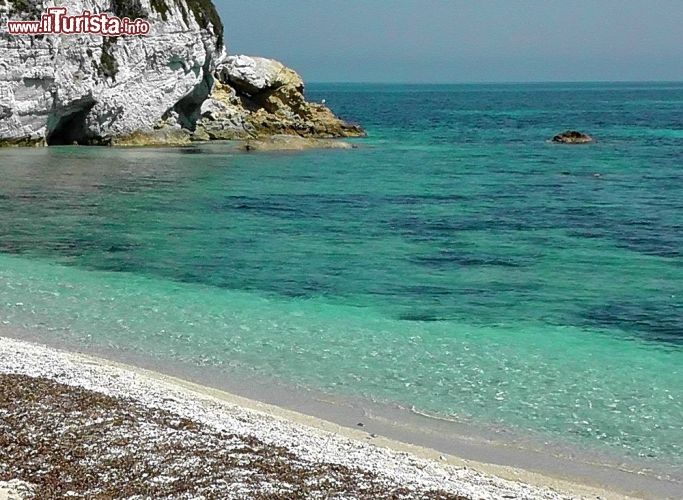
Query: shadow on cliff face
{"x":69,"y":128}
{"x":189,"y":107}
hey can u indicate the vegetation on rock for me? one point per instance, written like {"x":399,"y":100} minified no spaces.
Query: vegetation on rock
{"x":22,"y":142}
{"x":26,"y":9}
{"x":161,"y":7}
{"x":205,"y":12}
{"x":132,"y":9}
{"x":108,"y":65}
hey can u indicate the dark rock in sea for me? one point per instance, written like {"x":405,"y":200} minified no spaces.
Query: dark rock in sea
{"x":573,"y":137}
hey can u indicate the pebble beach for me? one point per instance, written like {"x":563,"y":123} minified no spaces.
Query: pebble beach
{"x":74,"y":426}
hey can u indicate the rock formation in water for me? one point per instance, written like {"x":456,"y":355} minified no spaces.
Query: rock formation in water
{"x":174,"y":85}
{"x":256,"y":97}
{"x":572,"y":137}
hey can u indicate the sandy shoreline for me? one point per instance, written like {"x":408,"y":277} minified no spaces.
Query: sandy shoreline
{"x":307,"y":437}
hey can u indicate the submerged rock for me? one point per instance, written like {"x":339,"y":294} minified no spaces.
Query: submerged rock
{"x":294,"y":143}
{"x":572,"y":137}
{"x":175,"y":85}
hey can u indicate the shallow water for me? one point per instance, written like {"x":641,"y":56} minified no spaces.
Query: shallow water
{"x":456,"y":262}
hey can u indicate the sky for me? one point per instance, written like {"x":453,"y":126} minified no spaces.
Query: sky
{"x":443,"y":41}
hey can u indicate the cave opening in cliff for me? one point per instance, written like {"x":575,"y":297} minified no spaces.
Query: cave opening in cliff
{"x":69,"y":128}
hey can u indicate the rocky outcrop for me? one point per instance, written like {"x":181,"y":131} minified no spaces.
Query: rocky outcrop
{"x":572,"y":137}
{"x":257,"y":97}
{"x":172,"y":86}
{"x":90,"y":89}
{"x":253,"y":75}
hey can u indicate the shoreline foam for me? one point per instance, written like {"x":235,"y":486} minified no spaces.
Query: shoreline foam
{"x":302,"y":434}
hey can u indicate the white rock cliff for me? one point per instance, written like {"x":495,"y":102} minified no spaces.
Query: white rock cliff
{"x":174,"y":85}
{"x":59,"y":89}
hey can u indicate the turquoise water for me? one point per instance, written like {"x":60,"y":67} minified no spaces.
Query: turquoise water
{"x":456,"y":262}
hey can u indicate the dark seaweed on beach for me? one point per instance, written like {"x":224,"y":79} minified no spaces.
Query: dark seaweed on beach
{"x":73,"y":443}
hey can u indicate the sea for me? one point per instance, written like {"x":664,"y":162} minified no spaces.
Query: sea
{"x":456,"y":263}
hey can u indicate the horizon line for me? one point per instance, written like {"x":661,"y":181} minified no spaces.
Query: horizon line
{"x":485,"y":82}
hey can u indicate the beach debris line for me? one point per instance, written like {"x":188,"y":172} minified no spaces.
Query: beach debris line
{"x":71,"y":442}
{"x":65,"y":413}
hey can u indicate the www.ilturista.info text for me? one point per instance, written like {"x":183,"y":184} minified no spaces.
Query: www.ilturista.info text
{"x":55,"y":21}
